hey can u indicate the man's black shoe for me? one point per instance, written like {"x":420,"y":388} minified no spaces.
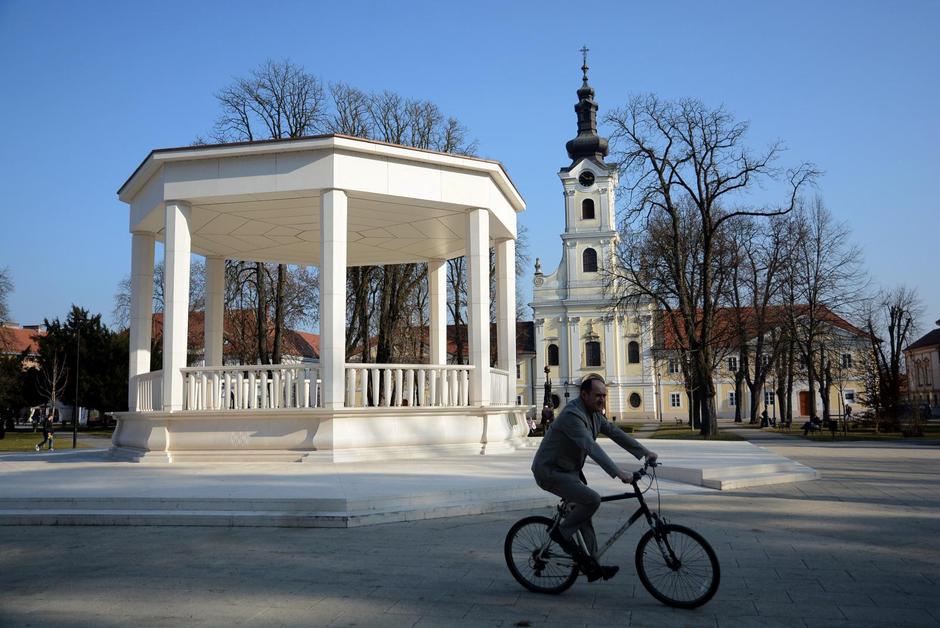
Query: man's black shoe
{"x":602,"y":571}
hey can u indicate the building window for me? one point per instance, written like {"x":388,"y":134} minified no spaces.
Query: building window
{"x":846,"y":360}
{"x":553,"y":355}
{"x":732,"y":398}
{"x":589,"y":261}
{"x":592,"y":350}
{"x":849,"y":395}
{"x":673,"y":366}
{"x":633,"y":352}
{"x":675,"y":400}
{"x":587,"y":209}
{"x":765,"y":361}
{"x":518,"y":371}
{"x":733,"y":364}
{"x":518,"y":400}
{"x":768,"y":398}
{"x":635,"y":400}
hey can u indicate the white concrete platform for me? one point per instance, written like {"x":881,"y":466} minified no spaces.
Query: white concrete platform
{"x":86,"y":487}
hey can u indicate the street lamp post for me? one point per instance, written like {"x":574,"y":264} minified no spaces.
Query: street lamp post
{"x":78,"y":345}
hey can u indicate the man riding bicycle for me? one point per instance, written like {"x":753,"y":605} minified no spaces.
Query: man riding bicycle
{"x":560,"y":459}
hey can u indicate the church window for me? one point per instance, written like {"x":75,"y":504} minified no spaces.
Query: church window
{"x":633,"y":352}
{"x":635,"y":400}
{"x":553,"y":355}
{"x":587,"y":209}
{"x":589,"y":259}
{"x":593,"y":353}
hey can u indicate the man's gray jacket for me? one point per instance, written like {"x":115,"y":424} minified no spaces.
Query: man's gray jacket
{"x":573,"y":436}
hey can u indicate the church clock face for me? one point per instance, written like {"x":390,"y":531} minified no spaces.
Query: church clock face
{"x":586,"y":178}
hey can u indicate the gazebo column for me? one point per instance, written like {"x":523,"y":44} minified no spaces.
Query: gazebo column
{"x":141,"y":316}
{"x":478,"y":306}
{"x":177,"y":248}
{"x":437,"y":287}
{"x":214,"y":329}
{"x":333,"y":214}
{"x":506,"y":314}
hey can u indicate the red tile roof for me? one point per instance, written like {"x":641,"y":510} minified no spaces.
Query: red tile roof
{"x":726,"y":319}
{"x":16,"y":339}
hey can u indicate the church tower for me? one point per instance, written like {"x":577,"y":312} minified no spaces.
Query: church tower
{"x":576,"y":334}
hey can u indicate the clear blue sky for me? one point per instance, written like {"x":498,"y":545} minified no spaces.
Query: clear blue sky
{"x":88,"y":88}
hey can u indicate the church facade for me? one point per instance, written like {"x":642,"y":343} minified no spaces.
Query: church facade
{"x":576,"y":332}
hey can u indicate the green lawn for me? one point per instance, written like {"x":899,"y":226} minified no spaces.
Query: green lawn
{"x":26,"y":441}
{"x":683,"y":432}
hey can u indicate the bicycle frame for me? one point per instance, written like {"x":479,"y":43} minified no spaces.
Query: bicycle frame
{"x":643,"y":511}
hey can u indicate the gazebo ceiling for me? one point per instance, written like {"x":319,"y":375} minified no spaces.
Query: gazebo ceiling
{"x":261,"y":201}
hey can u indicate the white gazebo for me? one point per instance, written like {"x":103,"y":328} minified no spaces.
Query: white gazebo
{"x":330,"y":201}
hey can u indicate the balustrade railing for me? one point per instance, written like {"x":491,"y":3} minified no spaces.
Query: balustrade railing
{"x":254,"y":387}
{"x":499,"y":386}
{"x":149,"y":391}
{"x":427,"y":385}
{"x":272,"y":386}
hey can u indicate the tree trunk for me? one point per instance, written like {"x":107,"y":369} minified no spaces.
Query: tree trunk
{"x":738,"y":378}
{"x":261,"y":315}
{"x":279,"y":312}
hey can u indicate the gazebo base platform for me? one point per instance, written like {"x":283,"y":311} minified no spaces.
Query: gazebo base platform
{"x":318,"y":435}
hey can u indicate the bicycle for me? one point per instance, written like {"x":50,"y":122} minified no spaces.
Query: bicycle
{"x":675,"y":564}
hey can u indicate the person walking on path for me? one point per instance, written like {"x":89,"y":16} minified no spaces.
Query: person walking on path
{"x":48,"y":433}
{"x":559,"y":461}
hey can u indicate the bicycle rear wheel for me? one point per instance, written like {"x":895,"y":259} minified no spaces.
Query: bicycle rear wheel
{"x":679,"y":568}
{"x":548,"y":570}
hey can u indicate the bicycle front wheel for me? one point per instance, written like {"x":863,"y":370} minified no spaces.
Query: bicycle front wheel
{"x":535,"y":561}
{"x":678,"y":567}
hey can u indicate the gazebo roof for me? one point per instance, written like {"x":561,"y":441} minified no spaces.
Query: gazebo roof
{"x":260,"y":201}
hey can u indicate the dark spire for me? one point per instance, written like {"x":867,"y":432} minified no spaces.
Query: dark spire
{"x":588,"y":143}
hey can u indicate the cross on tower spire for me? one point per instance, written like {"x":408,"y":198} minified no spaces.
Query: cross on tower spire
{"x":584,"y":68}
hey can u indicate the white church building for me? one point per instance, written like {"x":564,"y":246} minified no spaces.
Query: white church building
{"x":576,"y":334}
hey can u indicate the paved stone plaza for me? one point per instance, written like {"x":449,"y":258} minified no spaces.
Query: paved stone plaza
{"x":856,"y":548}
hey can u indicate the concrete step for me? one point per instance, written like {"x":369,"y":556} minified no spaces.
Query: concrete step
{"x":761,"y":479}
{"x":259,"y":518}
{"x":720,"y":473}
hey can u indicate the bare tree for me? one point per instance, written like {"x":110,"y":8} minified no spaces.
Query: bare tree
{"x":679,"y":161}
{"x":759,"y":256}
{"x":891,"y":322}
{"x":6,"y":287}
{"x":825,"y":280}
{"x":52,"y":379}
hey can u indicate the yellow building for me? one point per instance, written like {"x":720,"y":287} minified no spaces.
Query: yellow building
{"x":923,"y":371}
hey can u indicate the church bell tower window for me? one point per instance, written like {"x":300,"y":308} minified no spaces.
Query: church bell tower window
{"x":589,"y":260}
{"x":587,"y":209}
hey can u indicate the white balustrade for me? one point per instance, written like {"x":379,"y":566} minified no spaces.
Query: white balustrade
{"x":428,"y":385}
{"x":149,"y":391}
{"x":499,"y":386}
{"x":254,"y":387}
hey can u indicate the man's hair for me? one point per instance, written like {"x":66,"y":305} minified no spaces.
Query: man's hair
{"x":588,"y":384}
